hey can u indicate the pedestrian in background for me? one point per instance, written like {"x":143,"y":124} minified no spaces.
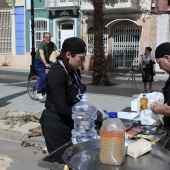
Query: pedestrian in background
{"x":42,"y":61}
{"x":147,"y":67}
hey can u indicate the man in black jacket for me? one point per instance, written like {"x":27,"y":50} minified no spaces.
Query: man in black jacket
{"x":162,"y":55}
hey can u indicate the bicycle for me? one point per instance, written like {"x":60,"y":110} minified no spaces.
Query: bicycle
{"x":32,"y":84}
{"x":33,"y":80}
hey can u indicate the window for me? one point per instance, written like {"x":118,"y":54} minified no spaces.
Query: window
{"x":90,"y":40}
{"x":40,"y":28}
{"x":5,"y":29}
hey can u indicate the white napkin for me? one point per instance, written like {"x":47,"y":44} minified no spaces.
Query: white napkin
{"x":139,"y":148}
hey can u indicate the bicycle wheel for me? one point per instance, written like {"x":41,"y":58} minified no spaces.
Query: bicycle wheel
{"x":32,"y":86}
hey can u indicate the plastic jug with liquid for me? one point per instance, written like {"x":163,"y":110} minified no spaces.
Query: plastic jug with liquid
{"x":112,"y":140}
{"x":84,"y":116}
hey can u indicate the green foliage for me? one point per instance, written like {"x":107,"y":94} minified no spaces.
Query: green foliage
{"x":12,"y":120}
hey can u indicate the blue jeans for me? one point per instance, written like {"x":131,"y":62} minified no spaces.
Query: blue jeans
{"x":40,"y":67}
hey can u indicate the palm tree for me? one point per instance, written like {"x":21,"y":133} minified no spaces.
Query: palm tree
{"x":100,"y":76}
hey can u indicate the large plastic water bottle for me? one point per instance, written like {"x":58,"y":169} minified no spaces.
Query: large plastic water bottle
{"x":84,"y":116}
{"x":112,"y":140}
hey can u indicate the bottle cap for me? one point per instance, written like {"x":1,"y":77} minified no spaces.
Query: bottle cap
{"x":113,"y":114}
{"x":84,"y":98}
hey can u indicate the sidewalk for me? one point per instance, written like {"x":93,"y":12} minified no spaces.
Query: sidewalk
{"x":103,"y":97}
{"x":111,"y":98}
{"x":14,"y":98}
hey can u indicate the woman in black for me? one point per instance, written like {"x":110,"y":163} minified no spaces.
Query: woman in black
{"x":63,"y":84}
{"x":147,"y":63}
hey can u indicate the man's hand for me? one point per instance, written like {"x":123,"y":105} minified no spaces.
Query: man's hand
{"x":47,"y":65}
{"x":153,"y":105}
{"x":146,"y":62}
{"x":155,"y":102}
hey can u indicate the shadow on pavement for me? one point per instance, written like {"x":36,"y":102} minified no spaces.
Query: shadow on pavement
{"x":4,"y":100}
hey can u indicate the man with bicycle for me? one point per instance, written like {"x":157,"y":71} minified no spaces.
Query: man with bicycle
{"x":42,"y":61}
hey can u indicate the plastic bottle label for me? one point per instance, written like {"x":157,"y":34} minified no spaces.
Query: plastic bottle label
{"x":84,"y":106}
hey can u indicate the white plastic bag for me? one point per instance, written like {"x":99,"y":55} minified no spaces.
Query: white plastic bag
{"x":147,"y":117}
{"x":155,"y":97}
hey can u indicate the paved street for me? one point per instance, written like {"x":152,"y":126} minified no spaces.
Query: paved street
{"x":14,"y":97}
{"x":23,"y":158}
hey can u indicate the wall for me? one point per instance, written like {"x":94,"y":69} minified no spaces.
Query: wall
{"x":148,"y":35}
{"x":17,"y":58}
{"x":19,"y":3}
{"x":133,"y":19}
{"x":19,"y":24}
{"x":161,"y":5}
{"x":37,"y":14}
{"x":13,"y":60}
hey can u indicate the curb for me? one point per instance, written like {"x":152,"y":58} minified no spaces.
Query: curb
{"x":18,"y":137}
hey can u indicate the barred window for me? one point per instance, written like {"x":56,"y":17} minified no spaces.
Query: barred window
{"x":90,"y":40}
{"x":5,"y":29}
{"x":40,"y":28}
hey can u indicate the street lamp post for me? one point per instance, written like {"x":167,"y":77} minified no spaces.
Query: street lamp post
{"x":32,"y":68}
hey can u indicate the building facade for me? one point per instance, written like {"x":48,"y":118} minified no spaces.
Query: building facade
{"x":12,"y":41}
{"x":60,"y":18}
{"x":129,"y":26}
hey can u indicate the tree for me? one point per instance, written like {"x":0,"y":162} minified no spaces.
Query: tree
{"x":100,"y":70}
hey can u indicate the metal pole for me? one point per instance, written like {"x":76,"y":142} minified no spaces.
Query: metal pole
{"x":32,"y":68}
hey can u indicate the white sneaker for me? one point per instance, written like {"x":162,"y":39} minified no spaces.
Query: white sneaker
{"x":40,"y":96}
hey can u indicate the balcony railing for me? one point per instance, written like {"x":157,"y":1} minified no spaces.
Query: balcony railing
{"x":119,"y":5}
{"x":58,"y":4}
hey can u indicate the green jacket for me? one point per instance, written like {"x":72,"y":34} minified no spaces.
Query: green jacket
{"x":48,"y":49}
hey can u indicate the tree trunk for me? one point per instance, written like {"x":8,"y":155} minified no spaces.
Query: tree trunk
{"x":99,"y":64}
